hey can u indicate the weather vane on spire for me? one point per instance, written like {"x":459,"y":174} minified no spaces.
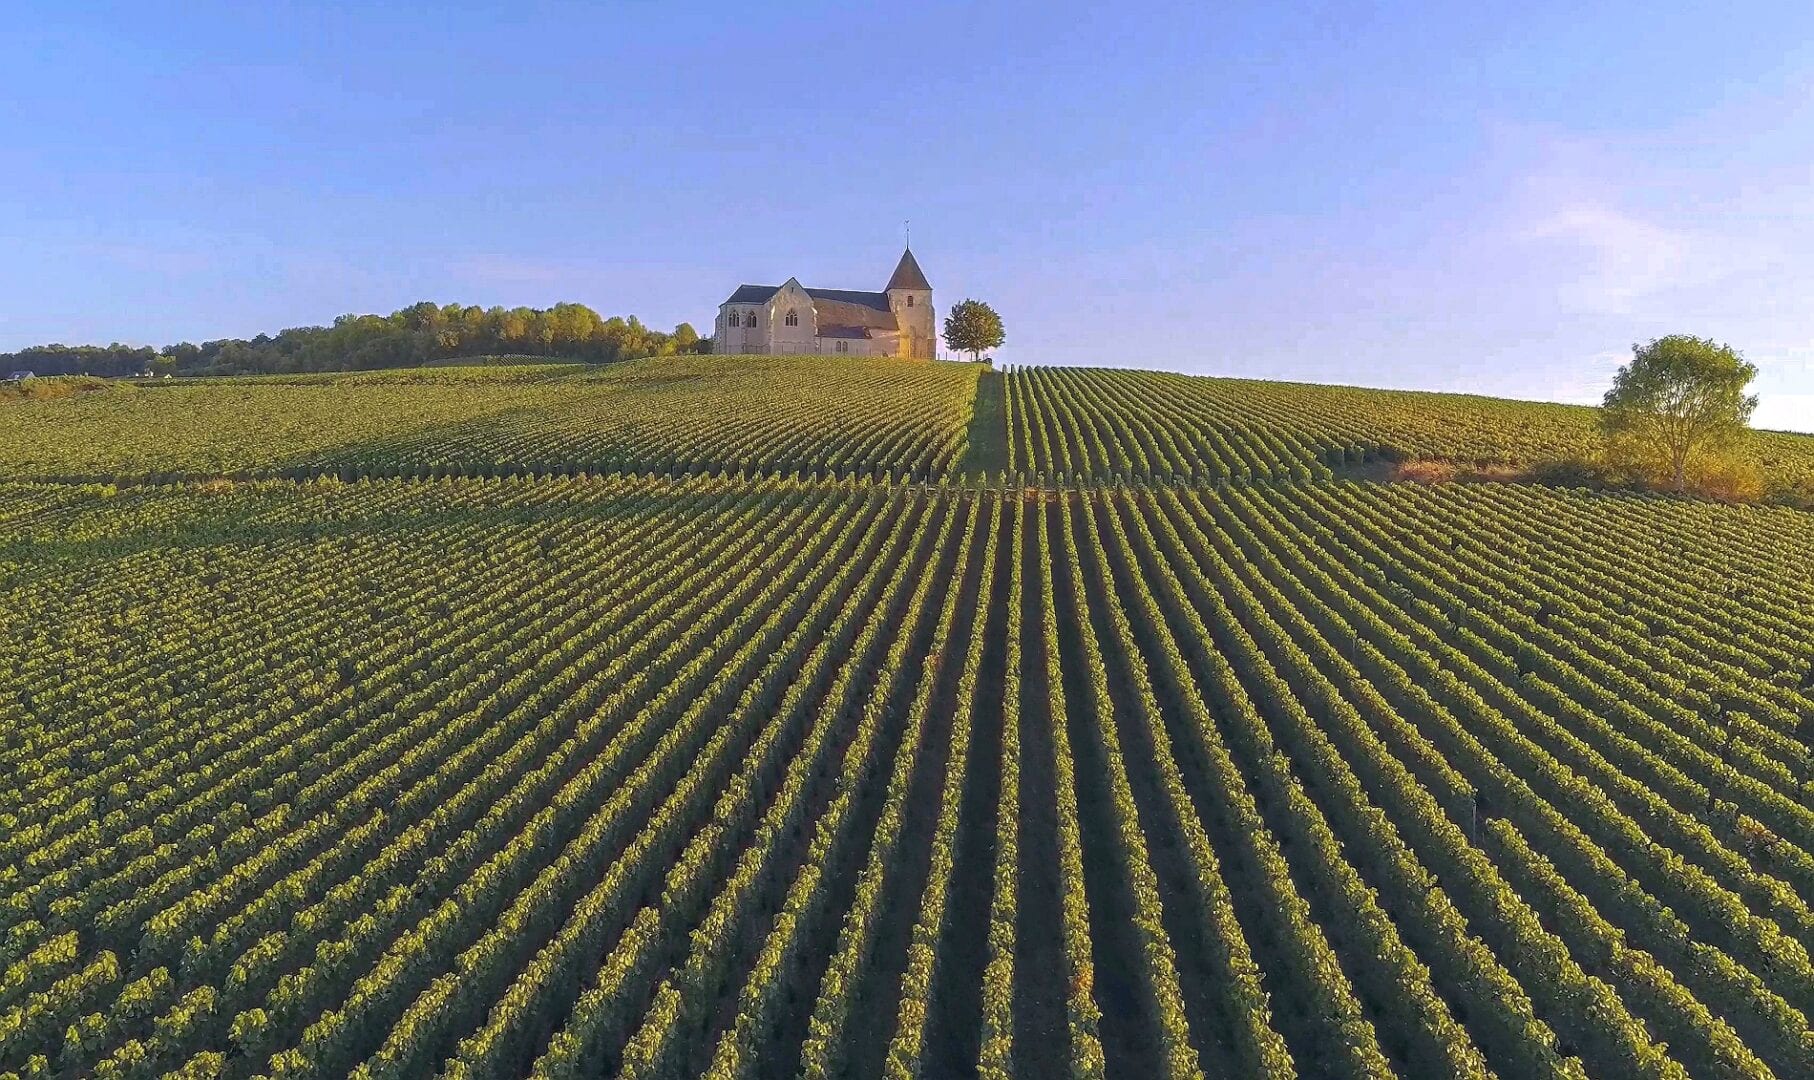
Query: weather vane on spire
{"x":907,"y":230}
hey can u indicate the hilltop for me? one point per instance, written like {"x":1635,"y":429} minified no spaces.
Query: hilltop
{"x":773,"y":716}
{"x":823,"y":416}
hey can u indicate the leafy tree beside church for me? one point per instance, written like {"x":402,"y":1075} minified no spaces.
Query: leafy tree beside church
{"x":973,"y":327}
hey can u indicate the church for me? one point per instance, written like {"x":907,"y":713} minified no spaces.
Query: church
{"x":792,"y":318}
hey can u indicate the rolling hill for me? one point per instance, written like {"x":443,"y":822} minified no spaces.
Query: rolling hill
{"x":754,"y":717}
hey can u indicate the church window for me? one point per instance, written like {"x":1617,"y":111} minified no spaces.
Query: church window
{"x":752,"y":318}
{"x":793,"y":318}
{"x":910,"y":300}
{"x":734,"y":320}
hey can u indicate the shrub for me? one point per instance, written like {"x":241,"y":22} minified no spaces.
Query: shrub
{"x":1727,"y":478}
{"x":1574,"y":472}
{"x":1425,"y":472}
{"x":44,"y":388}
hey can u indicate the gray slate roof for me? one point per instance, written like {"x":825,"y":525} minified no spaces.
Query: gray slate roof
{"x":876,"y":300}
{"x":907,"y":274}
{"x":761,"y":294}
{"x":753,"y":294}
{"x":843,"y":313}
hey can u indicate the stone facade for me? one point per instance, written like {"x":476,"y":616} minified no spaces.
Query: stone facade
{"x":793,"y":319}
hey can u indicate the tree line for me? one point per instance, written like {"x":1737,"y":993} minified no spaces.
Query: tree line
{"x":408,"y":337}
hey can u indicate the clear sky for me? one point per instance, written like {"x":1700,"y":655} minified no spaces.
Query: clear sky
{"x":1490,"y":197}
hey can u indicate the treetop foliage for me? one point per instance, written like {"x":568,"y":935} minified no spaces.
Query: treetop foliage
{"x":1680,"y":399}
{"x":972,"y":327}
{"x":408,"y":337}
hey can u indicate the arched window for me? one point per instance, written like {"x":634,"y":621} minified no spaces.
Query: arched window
{"x":909,"y":299}
{"x":734,"y":321}
{"x":793,"y":318}
{"x":752,"y":318}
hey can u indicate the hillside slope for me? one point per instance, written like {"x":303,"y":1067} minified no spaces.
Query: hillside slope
{"x":1096,"y":422}
{"x":770,"y":757}
{"x":821,"y":416}
{"x":760,"y":414}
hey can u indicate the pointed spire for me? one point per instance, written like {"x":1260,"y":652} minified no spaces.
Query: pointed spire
{"x":907,"y":275}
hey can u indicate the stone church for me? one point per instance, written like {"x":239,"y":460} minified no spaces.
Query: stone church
{"x":792,"y":318}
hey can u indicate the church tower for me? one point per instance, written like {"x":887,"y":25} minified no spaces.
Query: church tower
{"x":910,"y":298}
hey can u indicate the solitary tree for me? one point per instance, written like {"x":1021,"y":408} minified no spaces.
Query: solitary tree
{"x":972,"y":327}
{"x":1680,"y":399}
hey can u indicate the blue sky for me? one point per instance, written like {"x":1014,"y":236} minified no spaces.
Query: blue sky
{"x":1494,"y":198}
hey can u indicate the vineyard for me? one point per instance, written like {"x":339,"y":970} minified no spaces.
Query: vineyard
{"x":687,"y":414}
{"x":641,"y":723}
{"x":1097,"y":423}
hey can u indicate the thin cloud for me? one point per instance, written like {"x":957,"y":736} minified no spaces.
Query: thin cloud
{"x":1586,"y":383}
{"x":1618,"y":259}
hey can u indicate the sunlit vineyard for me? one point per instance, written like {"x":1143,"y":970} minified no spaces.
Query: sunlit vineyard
{"x":677,"y":414}
{"x":1094,"y":423}
{"x":770,"y":758}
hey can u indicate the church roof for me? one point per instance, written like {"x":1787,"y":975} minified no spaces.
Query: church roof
{"x":907,"y":274}
{"x":839,"y":312}
{"x":836,"y":312}
{"x":761,"y":294}
{"x":876,"y":300}
{"x":753,"y":294}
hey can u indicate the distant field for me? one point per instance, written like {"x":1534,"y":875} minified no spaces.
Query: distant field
{"x":738,"y":757}
{"x":770,"y":414}
{"x":506,"y":360}
{"x":1093,"y":422}
{"x":787,"y":414}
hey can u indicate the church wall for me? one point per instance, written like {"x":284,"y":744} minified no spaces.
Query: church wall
{"x":742,"y":338}
{"x":785,"y":339}
{"x":755,"y":337}
{"x":883,"y":344}
{"x":919,"y":333}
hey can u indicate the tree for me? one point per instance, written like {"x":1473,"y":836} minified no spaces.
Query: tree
{"x":407,"y":337}
{"x":1680,"y":399}
{"x":684,"y":339}
{"x":973,"y":326}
